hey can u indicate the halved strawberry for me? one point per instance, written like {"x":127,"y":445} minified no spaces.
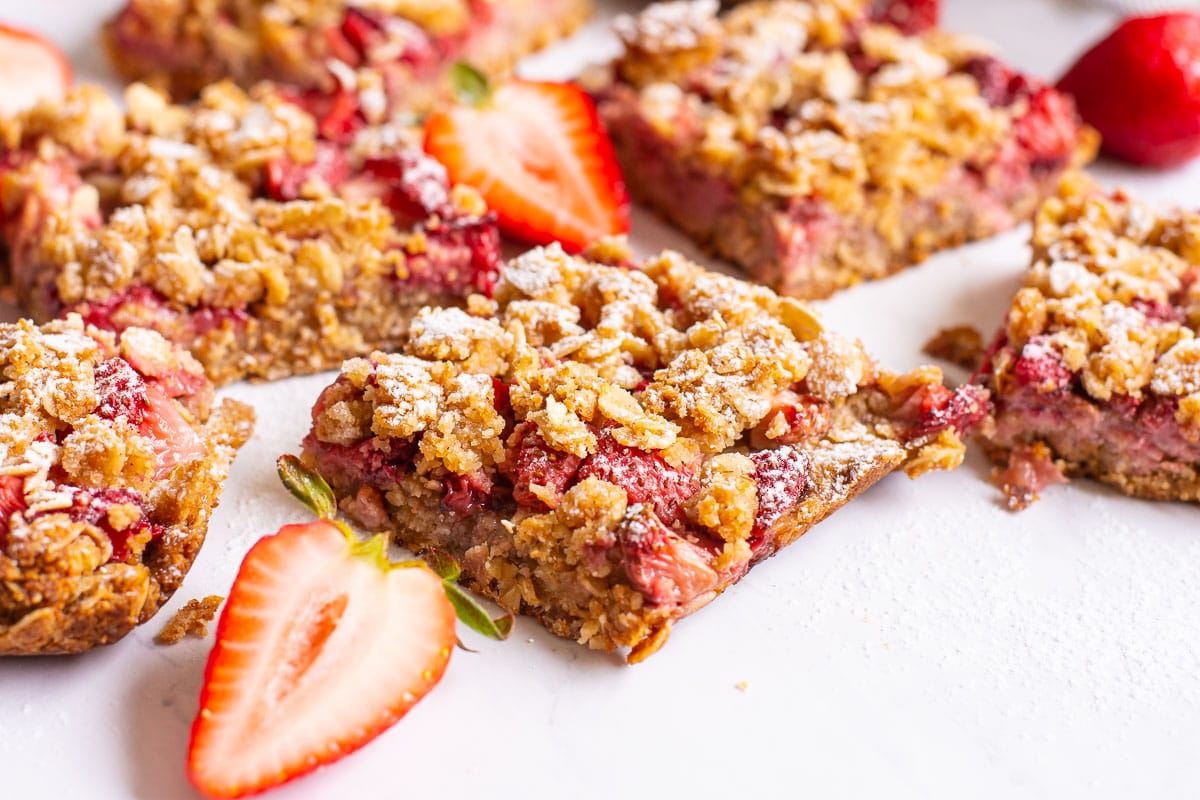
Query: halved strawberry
{"x":538,"y":154}
{"x":31,"y":69}
{"x":322,"y":646}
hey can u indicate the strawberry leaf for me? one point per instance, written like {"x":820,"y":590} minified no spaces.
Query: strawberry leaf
{"x":443,"y":564}
{"x":470,"y":85}
{"x":471,"y":614}
{"x":307,"y":486}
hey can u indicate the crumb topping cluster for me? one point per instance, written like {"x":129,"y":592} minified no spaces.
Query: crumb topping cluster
{"x":673,"y":359}
{"x":575,"y":362}
{"x":1114,"y":296}
{"x":790,"y":99}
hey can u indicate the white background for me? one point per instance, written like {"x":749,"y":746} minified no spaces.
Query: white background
{"x":922,"y":643}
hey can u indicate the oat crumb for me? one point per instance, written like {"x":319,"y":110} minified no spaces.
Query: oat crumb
{"x":959,"y":344}
{"x":191,"y":620}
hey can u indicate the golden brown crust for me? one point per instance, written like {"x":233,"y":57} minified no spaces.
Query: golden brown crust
{"x":191,"y":619}
{"x":92,"y":546}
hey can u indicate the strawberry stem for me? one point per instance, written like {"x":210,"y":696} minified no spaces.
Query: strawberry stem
{"x":443,"y":564}
{"x":470,"y":85}
{"x":474,"y":617}
{"x":307,"y":486}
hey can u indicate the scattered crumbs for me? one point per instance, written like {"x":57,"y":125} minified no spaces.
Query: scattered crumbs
{"x":529,"y":640}
{"x":959,"y":344}
{"x":191,"y":620}
{"x":742,"y":686}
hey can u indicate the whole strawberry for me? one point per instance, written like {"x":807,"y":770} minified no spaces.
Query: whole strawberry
{"x":1140,"y":87}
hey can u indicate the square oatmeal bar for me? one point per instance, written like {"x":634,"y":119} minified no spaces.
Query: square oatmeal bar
{"x":394,"y":54}
{"x":112,"y":457}
{"x":817,"y":148}
{"x":608,"y":448}
{"x":263,"y":238}
{"x":1096,"y":371}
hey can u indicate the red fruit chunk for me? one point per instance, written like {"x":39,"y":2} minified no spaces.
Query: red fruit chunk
{"x":530,"y":461}
{"x":910,"y":16}
{"x":411,"y":184}
{"x":468,"y":494}
{"x":1158,"y":312}
{"x":802,"y":416}
{"x":540,"y":157}
{"x":175,"y":441}
{"x":121,"y":391}
{"x":92,"y":506}
{"x":1140,"y":87}
{"x":362,"y":30}
{"x":1041,"y":367}
{"x":644,"y":476}
{"x":666,"y":568}
{"x":933,"y":408}
{"x":1029,"y":471}
{"x":284,"y":178}
{"x":12,"y":500}
{"x":365,"y":463}
{"x":1047,"y":131}
{"x":322,"y":645}
{"x":31,"y":69}
{"x":782,"y":478}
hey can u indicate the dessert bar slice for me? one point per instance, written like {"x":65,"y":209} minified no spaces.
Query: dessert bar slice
{"x":1097,"y":369}
{"x":266,"y":239}
{"x":608,"y":449}
{"x":395,"y":54}
{"x":818,"y":149}
{"x":112,"y":456}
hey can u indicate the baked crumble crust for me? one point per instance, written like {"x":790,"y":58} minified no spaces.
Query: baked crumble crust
{"x":191,"y":619}
{"x":238,"y":226}
{"x":817,"y":148}
{"x":112,"y":457}
{"x":608,"y":448}
{"x":392,"y":55}
{"x":1098,"y":364}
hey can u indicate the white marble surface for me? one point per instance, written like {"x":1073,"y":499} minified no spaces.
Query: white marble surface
{"x":922,"y":643}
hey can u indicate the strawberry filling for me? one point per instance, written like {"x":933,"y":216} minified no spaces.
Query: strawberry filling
{"x":93,"y":506}
{"x":782,"y":478}
{"x":1047,"y":131}
{"x":645,"y":477}
{"x":531,"y":462}
{"x":1039,"y":399}
{"x":12,"y":500}
{"x":142,"y":306}
{"x":87,"y":505}
{"x":932,"y":408}
{"x":147,"y":405}
{"x":666,"y":568}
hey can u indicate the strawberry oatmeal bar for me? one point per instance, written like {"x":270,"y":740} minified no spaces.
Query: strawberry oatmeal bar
{"x":393,"y":54}
{"x":817,"y":148}
{"x":1097,"y":369}
{"x":112,"y":456}
{"x":608,"y":448}
{"x":265,"y":237}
